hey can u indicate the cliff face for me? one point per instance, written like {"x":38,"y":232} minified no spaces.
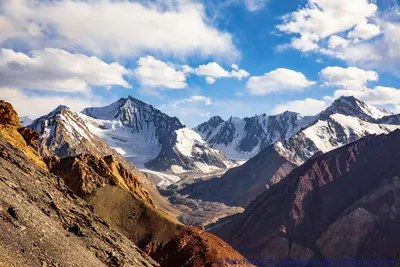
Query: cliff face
{"x":342,"y":204}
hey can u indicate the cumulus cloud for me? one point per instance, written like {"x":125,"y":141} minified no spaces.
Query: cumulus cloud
{"x":364,"y":30}
{"x":352,"y":31}
{"x":278,"y":80}
{"x":308,"y":106}
{"x":322,"y":18}
{"x":34,"y":104}
{"x":213,"y":71}
{"x":337,"y":41}
{"x":117,"y":28}
{"x":349,"y":78}
{"x":57,"y":70}
{"x":155,"y":73}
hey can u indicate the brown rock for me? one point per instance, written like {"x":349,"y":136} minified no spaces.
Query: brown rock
{"x":31,"y":138}
{"x":197,"y":248}
{"x":351,"y":230}
{"x":8,"y":116}
{"x":83,"y":174}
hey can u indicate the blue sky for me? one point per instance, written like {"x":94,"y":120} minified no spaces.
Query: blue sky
{"x":177,"y":55}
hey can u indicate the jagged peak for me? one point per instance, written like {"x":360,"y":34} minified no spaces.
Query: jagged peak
{"x":351,"y":106}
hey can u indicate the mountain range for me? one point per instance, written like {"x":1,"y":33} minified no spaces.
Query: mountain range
{"x":139,"y":132}
{"x":346,"y":120}
{"x":316,"y":187}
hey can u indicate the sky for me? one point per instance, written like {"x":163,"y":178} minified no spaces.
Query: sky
{"x":195,"y":59}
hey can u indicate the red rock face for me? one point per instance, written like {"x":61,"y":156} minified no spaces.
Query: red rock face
{"x":342,"y":204}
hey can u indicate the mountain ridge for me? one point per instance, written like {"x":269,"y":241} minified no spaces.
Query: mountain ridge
{"x":336,"y":205}
{"x":329,"y":130}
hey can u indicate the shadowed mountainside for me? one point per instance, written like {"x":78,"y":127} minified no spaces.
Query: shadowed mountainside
{"x":342,"y":204}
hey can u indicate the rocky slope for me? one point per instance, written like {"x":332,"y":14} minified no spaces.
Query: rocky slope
{"x":42,"y":223}
{"x":152,"y":139}
{"x":242,"y":139}
{"x":118,"y":198}
{"x":339,"y":205}
{"x":46,"y":221}
{"x":345,"y":121}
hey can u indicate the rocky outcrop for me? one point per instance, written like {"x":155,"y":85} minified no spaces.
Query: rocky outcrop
{"x":31,"y":138}
{"x":85,"y":173}
{"x":351,"y":229}
{"x":197,"y":248}
{"x":8,"y":116}
{"x":342,"y":204}
{"x":10,"y":130}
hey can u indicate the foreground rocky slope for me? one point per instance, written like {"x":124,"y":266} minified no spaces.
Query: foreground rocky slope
{"x":339,"y":205}
{"x":45,"y":222}
{"x":42,"y":222}
{"x":345,"y":121}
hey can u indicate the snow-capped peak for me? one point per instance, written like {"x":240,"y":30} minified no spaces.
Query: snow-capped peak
{"x":351,"y":106}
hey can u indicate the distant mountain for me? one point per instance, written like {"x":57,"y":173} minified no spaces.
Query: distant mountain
{"x":339,"y":205}
{"x":242,"y":139}
{"x":25,"y":120}
{"x":149,"y":138}
{"x":345,"y":121}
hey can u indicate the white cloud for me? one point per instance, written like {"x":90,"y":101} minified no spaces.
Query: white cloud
{"x":278,"y":80}
{"x":306,"y":42}
{"x":255,"y":5}
{"x":322,"y":18}
{"x":337,"y":41}
{"x":213,"y":71}
{"x":155,"y":73}
{"x":196,"y":98}
{"x":33,"y":104}
{"x":305,"y":107}
{"x":57,"y":70}
{"x":207,"y":114}
{"x":210,"y":80}
{"x":349,"y":78}
{"x":364,"y":30}
{"x":117,"y":28}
